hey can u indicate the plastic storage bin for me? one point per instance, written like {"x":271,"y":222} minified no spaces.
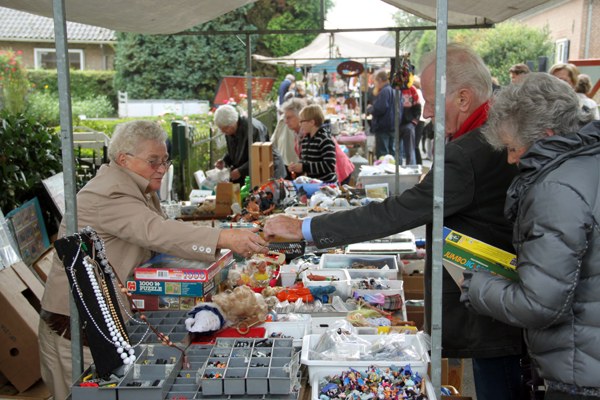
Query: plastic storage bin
{"x":386,"y":265}
{"x":408,"y":179}
{"x":325,"y":367}
{"x":341,"y":282}
{"x":315,"y":387}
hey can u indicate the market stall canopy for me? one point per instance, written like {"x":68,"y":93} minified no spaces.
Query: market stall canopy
{"x":468,"y":12}
{"x":328,"y":46}
{"x":139,"y":16}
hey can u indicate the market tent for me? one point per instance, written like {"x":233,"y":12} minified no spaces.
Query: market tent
{"x":468,"y":12}
{"x":158,"y":16}
{"x":328,"y":46}
{"x":139,"y":16}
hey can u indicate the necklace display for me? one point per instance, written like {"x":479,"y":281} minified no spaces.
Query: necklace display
{"x":110,"y":311}
{"x":112,"y":325}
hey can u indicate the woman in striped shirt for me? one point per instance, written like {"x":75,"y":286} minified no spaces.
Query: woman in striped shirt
{"x":317,"y":159}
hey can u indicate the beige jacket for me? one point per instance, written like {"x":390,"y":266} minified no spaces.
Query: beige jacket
{"x":132,"y":225}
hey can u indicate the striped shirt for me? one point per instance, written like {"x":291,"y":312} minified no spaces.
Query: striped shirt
{"x":318,"y":156}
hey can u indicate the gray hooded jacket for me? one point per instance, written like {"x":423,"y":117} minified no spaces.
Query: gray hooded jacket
{"x":555,"y":203}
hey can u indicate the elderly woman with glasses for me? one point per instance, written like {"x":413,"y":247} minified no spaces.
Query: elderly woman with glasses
{"x":120,"y":203}
{"x":554,"y":203}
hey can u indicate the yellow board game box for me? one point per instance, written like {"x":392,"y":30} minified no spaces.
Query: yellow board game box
{"x":464,"y":252}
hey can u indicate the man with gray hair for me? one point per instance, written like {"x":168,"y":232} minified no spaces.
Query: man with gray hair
{"x":235,"y":128}
{"x":476,"y":180}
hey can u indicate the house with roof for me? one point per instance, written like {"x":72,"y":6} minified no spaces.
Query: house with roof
{"x":574,"y":26}
{"x":90,"y":47}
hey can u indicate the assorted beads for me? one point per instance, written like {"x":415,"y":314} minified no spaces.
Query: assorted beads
{"x":375,"y":383}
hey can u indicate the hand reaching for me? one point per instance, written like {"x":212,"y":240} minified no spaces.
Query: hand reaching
{"x":283,"y":226}
{"x":243,"y":241}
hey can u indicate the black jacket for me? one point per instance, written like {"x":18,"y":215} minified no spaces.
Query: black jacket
{"x":476,"y":179}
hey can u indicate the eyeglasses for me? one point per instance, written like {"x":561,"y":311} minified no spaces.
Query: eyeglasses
{"x":154,"y":164}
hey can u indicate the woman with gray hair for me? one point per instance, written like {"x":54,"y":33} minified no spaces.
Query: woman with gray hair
{"x":120,"y":203}
{"x":555,"y":205}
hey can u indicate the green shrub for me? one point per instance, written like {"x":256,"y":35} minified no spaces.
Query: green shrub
{"x":44,"y":107}
{"x":35,"y":154}
{"x":84,"y":84}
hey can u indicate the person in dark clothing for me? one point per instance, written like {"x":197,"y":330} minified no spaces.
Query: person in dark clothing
{"x":382,"y":111}
{"x":235,"y":129}
{"x":284,"y":87}
{"x":476,"y":179}
{"x":410,"y":118}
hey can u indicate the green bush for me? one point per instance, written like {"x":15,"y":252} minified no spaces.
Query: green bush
{"x":84,"y":84}
{"x":44,"y":107}
{"x":35,"y":154}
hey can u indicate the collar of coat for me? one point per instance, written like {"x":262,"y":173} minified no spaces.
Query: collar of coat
{"x":547,"y":154}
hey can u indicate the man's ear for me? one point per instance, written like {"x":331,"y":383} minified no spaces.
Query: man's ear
{"x":550,"y":132}
{"x":464,"y":99}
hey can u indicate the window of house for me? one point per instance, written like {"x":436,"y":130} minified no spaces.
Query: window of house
{"x":46,"y":59}
{"x":562,"y":51}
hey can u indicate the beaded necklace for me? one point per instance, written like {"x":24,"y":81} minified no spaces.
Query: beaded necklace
{"x":118,"y":336}
{"x":100,"y":252}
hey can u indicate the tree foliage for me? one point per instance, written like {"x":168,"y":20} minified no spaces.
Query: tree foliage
{"x":190,"y":66}
{"x":511,"y":43}
{"x":507,"y":44}
{"x":410,"y":39}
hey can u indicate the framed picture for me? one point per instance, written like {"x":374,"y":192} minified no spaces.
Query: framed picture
{"x":377,"y":191}
{"x":55,"y":186}
{"x":29,"y":230}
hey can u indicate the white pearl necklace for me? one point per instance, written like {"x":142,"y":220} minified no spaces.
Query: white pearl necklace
{"x":125,"y":350}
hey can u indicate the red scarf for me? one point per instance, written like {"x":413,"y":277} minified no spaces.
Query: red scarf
{"x":474,"y":121}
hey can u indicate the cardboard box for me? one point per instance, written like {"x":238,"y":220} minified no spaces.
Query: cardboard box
{"x":414,"y":286}
{"x":164,"y":303}
{"x":262,"y":167}
{"x":416,"y":314}
{"x":162,"y":288}
{"x":165,"y":267}
{"x":227,"y":194}
{"x":43,"y":264}
{"x":20,"y":296}
{"x":462,"y":252}
{"x":39,"y":391}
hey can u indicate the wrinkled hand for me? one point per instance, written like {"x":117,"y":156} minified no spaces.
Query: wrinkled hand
{"x":244,"y":242}
{"x":234,"y":175}
{"x":464,"y":288}
{"x":283,"y":226}
{"x":219,"y":164}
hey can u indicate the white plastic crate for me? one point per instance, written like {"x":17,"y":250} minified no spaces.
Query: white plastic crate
{"x":324,"y":367}
{"x":296,"y":329}
{"x":387,"y":265}
{"x":395,"y":287}
{"x":314,"y":382}
{"x":342,"y":284}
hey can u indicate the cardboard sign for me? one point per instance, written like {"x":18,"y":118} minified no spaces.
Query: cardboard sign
{"x":227,"y":194}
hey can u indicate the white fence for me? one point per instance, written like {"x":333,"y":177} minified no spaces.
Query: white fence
{"x":150,"y":108}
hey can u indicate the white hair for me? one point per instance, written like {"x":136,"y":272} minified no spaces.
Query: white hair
{"x":129,"y":135}
{"x":464,"y":69}
{"x":226,"y":115}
